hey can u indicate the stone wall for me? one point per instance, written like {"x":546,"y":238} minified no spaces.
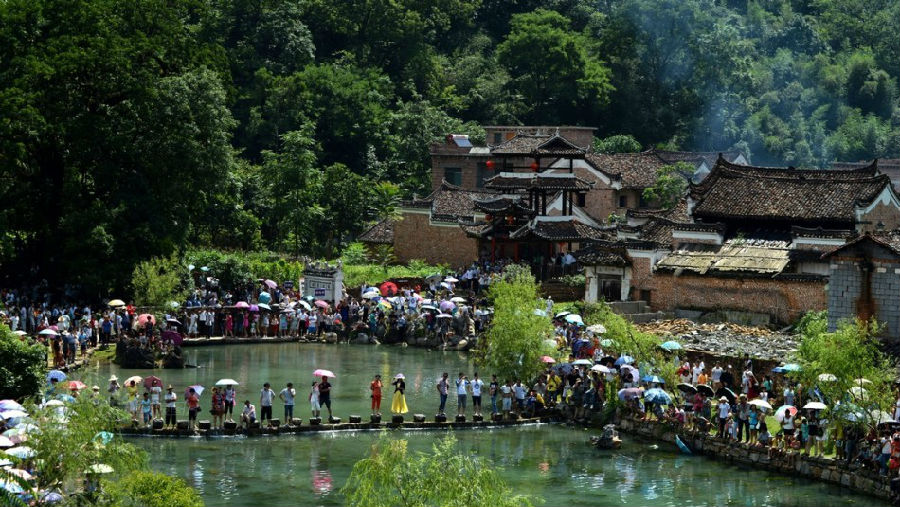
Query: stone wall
{"x":846,"y":298}
{"x":821,"y":469}
{"x":416,"y":238}
{"x":784,"y":300}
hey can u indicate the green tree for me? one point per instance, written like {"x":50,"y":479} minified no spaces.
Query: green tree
{"x":152,"y":489}
{"x":514,"y":343}
{"x":670,"y":185}
{"x":160,"y":280}
{"x":553,"y":68}
{"x":617,"y":144}
{"x":23,"y":365}
{"x":392,"y":475}
{"x":385,"y":203}
{"x":835,"y":361}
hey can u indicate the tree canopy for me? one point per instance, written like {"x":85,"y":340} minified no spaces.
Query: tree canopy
{"x":133,"y":130}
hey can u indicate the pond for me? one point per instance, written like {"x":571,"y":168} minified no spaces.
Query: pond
{"x":551,"y":461}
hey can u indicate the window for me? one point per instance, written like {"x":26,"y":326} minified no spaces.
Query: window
{"x":481,"y":175}
{"x":453,"y":175}
{"x":642,"y":203}
{"x":623,"y":201}
{"x":579,"y":200}
{"x":498,"y":138}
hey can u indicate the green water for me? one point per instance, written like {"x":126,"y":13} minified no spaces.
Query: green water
{"x":551,"y":461}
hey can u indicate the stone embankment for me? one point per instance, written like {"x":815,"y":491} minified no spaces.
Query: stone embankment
{"x":789,"y":462}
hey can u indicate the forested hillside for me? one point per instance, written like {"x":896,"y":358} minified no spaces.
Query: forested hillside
{"x":133,"y":128}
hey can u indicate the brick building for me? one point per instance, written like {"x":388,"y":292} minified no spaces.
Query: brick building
{"x":865,"y":281}
{"x":749,"y":239}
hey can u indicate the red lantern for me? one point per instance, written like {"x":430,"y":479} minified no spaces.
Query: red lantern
{"x":509,"y":220}
{"x":490,"y":165}
{"x":534,"y":166}
{"x":488,"y":218}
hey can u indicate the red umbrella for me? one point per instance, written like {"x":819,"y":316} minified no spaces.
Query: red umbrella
{"x":151,"y":381}
{"x":76,"y":385}
{"x":142,"y":319}
{"x":548,"y":359}
{"x":388,"y":289}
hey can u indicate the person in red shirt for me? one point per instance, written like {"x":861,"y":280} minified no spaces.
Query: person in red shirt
{"x":375,"y":387}
{"x":193,"y":403}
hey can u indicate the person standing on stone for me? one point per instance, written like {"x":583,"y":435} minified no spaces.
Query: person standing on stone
{"x":266,"y":395}
{"x":171,"y":398}
{"x":287,"y":396}
{"x":724,"y":410}
{"x":462,"y":383}
{"x":375,"y":387}
{"x":314,"y":399}
{"x":442,"y":388}
{"x":325,"y":395}
{"x":494,"y":390}
{"x":398,"y":404}
{"x":477,"y":386}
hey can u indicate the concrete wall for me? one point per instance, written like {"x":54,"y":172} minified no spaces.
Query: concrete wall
{"x":784,"y":300}
{"x":416,"y":238}
{"x":846,"y":299}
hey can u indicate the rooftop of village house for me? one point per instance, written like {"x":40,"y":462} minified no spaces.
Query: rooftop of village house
{"x":450,"y":202}
{"x":503,"y":205}
{"x":382,"y":232}
{"x":562,"y":228}
{"x":776,"y":194}
{"x":538,"y":181}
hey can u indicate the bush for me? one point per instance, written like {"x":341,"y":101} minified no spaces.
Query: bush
{"x":617,"y":144}
{"x":153,"y":489}
{"x":159,"y":280}
{"x":22,"y":366}
{"x":354,"y":254}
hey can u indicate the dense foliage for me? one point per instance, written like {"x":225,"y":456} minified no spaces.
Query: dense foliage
{"x":22,"y":366}
{"x":445,"y":477}
{"x":134,"y":129}
{"x":836,"y":364}
{"x":514,"y":343}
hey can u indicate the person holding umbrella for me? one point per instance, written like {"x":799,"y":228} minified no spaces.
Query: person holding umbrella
{"x":398,"y":404}
{"x":325,"y":395}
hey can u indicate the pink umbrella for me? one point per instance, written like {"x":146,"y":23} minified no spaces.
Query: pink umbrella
{"x":242,"y":304}
{"x":270,"y":284}
{"x":151,"y":381}
{"x":197,"y":389}
{"x":322,"y":304}
{"x":254,"y":308}
{"x":142,"y":319}
{"x":447,"y":305}
{"x":323,"y":373}
{"x":548,"y":359}
{"x":55,"y":328}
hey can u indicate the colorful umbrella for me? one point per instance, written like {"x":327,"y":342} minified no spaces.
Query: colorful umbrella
{"x":671,"y":345}
{"x":55,"y":374}
{"x":447,"y":306}
{"x":198,"y":389}
{"x":10,"y":405}
{"x":574,"y":319}
{"x":657,"y":396}
{"x":152,"y":381}
{"x":144,"y":317}
{"x":76,"y":385}
{"x":12,"y":487}
{"x":779,"y":414}
{"x":104,"y":436}
{"x":264,"y":297}
{"x":606,"y":342}
{"x":322,"y":304}
{"x":653,"y":379}
{"x":388,"y":289}
{"x":624,"y":360}
{"x":254,"y":308}
{"x":136,"y":379}
{"x":548,"y":359}
{"x":270,"y":284}
{"x":65,"y":397}
{"x":242,"y":304}
{"x":323,"y":373}
{"x":760,"y":403}
{"x":265,"y":306}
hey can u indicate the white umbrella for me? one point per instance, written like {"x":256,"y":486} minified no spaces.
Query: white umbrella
{"x":116,"y":303}
{"x":457,"y":299}
{"x":600,"y":368}
{"x":859,"y":392}
{"x":371,"y":295}
{"x":760,"y":403}
{"x":450,"y":279}
{"x":304,"y":304}
{"x":827,"y":377}
{"x":399,"y":376}
{"x":227,"y":382}
{"x":20,"y":332}
{"x":54,"y":403}
{"x":815,"y":405}
{"x":862,"y":381}
{"x":100,"y":468}
{"x":880,"y":416}
{"x":49,"y":331}
{"x":22,"y":452}
{"x":597,"y":328}
{"x":584,"y":362}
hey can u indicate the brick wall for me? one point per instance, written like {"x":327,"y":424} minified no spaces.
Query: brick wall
{"x":642,"y":278}
{"x":784,"y":300}
{"x":415,"y":238}
{"x":443,"y":156}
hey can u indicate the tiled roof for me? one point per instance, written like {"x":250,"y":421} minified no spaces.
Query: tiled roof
{"x":810,"y":196}
{"x":818,"y":232}
{"x":695,"y":157}
{"x":450,"y":201}
{"x":542,"y":181}
{"x":503,"y":205}
{"x":559,"y":146}
{"x":604,"y":253}
{"x":382,"y":232}
{"x":677,"y":213}
{"x":565,"y":228}
{"x":883,"y":163}
{"x":634,"y":170}
{"x":520,"y":144}
{"x":735,"y":255}
{"x":889,"y":240}
{"x":476,"y":229}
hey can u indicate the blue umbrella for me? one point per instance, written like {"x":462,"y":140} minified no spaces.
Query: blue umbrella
{"x":786,"y":368}
{"x":624,"y":360}
{"x":12,"y":487}
{"x":10,"y":405}
{"x":653,"y":379}
{"x":52,"y":497}
{"x":66,"y":398}
{"x":55,"y":374}
{"x":657,"y":396}
{"x":671,"y":345}
{"x":540,"y":313}
{"x":104,"y":436}
{"x":574,"y":319}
